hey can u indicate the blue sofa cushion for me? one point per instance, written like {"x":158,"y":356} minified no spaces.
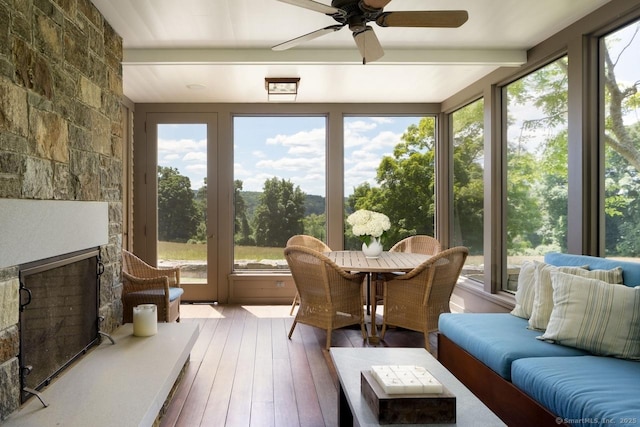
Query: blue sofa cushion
{"x":630,"y":270}
{"x":174,"y":292}
{"x":497,"y":339}
{"x":584,"y":391}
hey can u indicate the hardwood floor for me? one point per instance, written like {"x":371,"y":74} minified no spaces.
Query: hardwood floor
{"x":245,"y":372}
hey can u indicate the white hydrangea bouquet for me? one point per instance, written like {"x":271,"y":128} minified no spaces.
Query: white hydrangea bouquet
{"x":368,"y":224}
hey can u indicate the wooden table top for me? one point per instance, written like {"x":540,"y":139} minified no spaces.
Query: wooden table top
{"x":387,"y":262}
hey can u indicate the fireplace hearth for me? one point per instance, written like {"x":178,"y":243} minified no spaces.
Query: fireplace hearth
{"x":59,"y":320}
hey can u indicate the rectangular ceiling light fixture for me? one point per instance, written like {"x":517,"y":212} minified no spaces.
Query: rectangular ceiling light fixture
{"x":282,"y":88}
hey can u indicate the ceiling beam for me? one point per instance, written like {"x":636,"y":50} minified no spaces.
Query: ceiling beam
{"x":496,"y":57}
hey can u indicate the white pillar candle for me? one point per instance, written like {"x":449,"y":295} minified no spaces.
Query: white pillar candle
{"x":145,"y":320}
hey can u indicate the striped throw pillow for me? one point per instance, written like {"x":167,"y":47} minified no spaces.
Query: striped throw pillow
{"x":526,"y":290}
{"x":543,"y":300}
{"x":596,"y":316}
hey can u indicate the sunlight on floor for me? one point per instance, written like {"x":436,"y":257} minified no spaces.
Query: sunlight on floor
{"x":201,"y":311}
{"x":214,"y":311}
{"x":268,"y":311}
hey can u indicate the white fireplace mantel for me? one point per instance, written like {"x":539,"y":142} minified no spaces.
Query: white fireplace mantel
{"x":31,"y":230}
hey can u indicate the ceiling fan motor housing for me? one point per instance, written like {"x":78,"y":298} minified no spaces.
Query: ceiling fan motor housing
{"x":357,"y":14}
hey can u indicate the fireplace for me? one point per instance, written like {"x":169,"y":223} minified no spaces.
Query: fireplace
{"x":59,"y":301}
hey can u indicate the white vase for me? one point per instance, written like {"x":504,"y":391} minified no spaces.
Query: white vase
{"x":373,"y":249}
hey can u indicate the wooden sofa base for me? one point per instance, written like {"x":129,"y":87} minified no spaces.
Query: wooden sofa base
{"x":508,"y":402}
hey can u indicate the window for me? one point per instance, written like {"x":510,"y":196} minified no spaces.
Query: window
{"x":537,"y":174}
{"x":468,"y":185}
{"x":621,"y":141}
{"x":389,"y":168}
{"x":279,"y":186}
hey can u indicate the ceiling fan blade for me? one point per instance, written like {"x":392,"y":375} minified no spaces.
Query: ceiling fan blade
{"x":368,"y":45}
{"x":307,"y":37}
{"x":377,"y":4}
{"x":434,"y":18}
{"x":315,"y":6}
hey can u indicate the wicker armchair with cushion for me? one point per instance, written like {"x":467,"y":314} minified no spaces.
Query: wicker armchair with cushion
{"x":330,"y":297}
{"x":145,"y":284}
{"x":415,"y":300}
{"x":308,"y":242}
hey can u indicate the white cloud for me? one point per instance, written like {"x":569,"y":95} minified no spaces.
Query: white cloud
{"x":292,"y":164}
{"x":310,"y":143}
{"x":194,"y":156}
{"x":239,"y":171}
{"x":181,"y":145}
{"x":386,"y":139}
{"x":358,"y":126}
{"x":256,"y":181}
{"x":197,"y":168}
{"x":354,"y":139}
{"x":167,"y":159}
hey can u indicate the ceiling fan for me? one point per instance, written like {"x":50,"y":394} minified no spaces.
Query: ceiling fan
{"x":357,"y":13}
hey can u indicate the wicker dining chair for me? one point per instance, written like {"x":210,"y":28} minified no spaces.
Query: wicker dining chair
{"x":416,"y":299}
{"x":419,"y":244}
{"x":308,"y":242}
{"x":145,"y":284}
{"x":330,"y":297}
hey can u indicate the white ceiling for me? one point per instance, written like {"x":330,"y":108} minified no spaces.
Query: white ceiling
{"x":224,"y":47}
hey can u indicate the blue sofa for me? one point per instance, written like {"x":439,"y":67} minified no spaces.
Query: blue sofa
{"x":530,"y":382}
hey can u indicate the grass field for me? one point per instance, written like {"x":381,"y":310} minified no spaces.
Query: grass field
{"x":196,"y":252}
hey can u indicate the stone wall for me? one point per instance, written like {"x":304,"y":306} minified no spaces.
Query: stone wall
{"x":60,"y":138}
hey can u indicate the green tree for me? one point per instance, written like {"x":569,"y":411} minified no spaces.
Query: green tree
{"x":279,"y":214}
{"x":406,"y":185}
{"x":315,"y":225}
{"x":537,"y":162}
{"x":177,"y":211}
{"x":622,"y":149}
{"x":200,"y":202}
{"x":242,"y":229}
{"x":468,"y":171}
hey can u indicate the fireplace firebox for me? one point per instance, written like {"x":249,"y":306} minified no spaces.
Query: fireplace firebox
{"x":59,"y":300}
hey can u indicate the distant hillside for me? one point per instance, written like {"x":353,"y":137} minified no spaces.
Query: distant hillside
{"x":312,"y":205}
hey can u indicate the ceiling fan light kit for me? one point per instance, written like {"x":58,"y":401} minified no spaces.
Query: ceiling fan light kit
{"x":357,"y":13}
{"x":282,"y":89}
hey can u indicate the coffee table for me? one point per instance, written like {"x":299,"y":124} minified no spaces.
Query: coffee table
{"x":353,"y":409}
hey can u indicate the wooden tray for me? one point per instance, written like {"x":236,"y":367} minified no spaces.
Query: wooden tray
{"x":407,"y":408}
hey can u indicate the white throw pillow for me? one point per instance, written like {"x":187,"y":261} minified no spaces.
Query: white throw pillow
{"x":526,"y":290}
{"x":596,"y":316}
{"x":543,"y":300}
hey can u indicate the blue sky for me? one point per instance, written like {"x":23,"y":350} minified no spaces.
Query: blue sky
{"x":291,"y":148}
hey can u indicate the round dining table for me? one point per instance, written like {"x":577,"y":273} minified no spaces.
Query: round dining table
{"x":387,"y":262}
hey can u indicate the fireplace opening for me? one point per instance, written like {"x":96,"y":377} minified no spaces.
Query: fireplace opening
{"x":59,"y":300}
